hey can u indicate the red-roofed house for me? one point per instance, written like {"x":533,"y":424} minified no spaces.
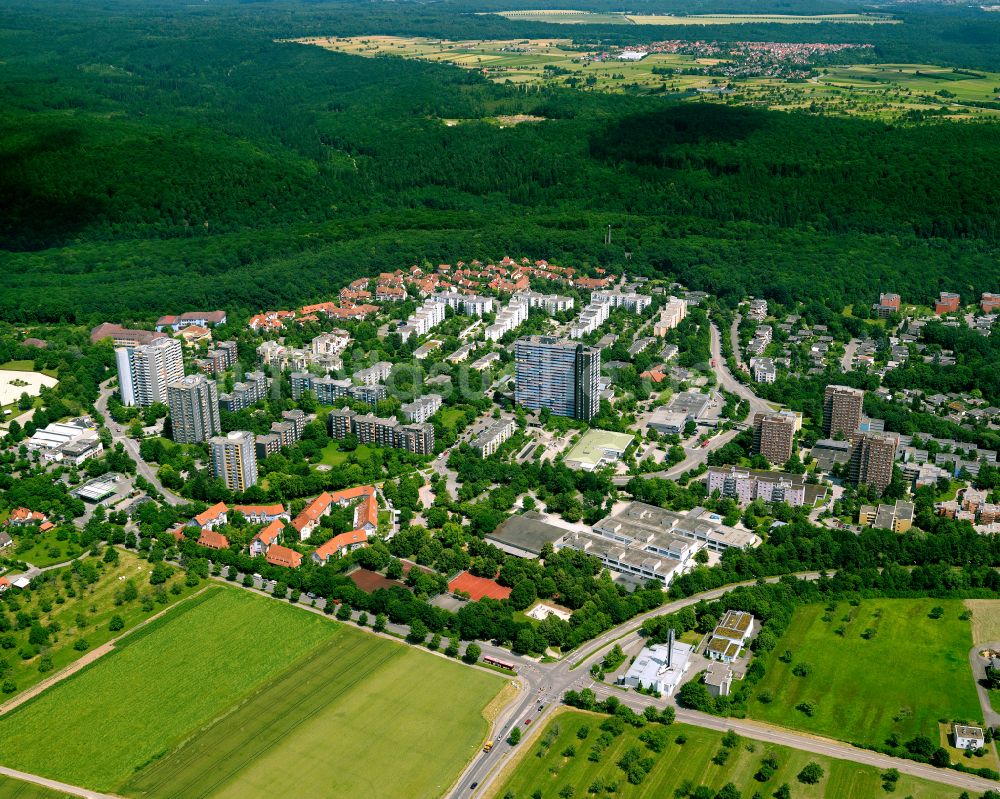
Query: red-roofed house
{"x":217,"y":515}
{"x":4,"y":584}
{"x":308,"y":520}
{"x":478,"y":587}
{"x":44,"y":527}
{"x":592,"y":282}
{"x":25,"y":516}
{"x":654,"y":375}
{"x":340,"y":545}
{"x":278,"y":555}
{"x":177,"y":533}
{"x":261,"y":514}
{"x":213,"y":540}
{"x":266,"y":538}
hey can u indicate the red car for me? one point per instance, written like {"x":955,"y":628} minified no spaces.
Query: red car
{"x":527,"y":722}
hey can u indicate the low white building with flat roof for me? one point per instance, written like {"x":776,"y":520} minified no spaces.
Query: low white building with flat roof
{"x":660,"y":667}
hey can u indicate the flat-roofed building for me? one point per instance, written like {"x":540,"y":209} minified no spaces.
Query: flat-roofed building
{"x":234,"y":459}
{"x":194,"y":409}
{"x":660,"y":667}
{"x":250,"y":391}
{"x":144,"y":372}
{"x":671,"y":315}
{"x":746,"y":485}
{"x":773,"y":435}
{"x":559,"y":375}
{"x":491,"y":439}
{"x":730,"y":636}
{"x":872,"y":459}
{"x":639,"y":521}
{"x":525,"y":536}
{"x":842,"y":408}
{"x":422,"y":408}
{"x":897,"y":517}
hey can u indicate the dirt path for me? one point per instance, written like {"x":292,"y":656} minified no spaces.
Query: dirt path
{"x":54,"y":785}
{"x":84,"y":661}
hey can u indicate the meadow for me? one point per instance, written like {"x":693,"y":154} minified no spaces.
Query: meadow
{"x":571,"y":736}
{"x":356,"y":701}
{"x":83,"y":609}
{"x":871,"y":90}
{"x":167,"y":680}
{"x":862,"y":673}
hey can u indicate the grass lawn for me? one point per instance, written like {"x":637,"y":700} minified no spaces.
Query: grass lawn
{"x":84,"y":614}
{"x":332,"y":456}
{"x":15,"y":789}
{"x":451,"y":416}
{"x":26,"y":366}
{"x":166,"y":681}
{"x":911,"y":672}
{"x":355,"y":703}
{"x":691,"y":761}
{"x":43,"y":549}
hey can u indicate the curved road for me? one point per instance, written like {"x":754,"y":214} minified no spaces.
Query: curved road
{"x":545,"y":684}
{"x":132,"y":448}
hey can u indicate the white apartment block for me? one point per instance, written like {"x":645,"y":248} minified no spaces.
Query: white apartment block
{"x":374,"y":374}
{"x":511,"y":317}
{"x":636,"y":303}
{"x":551,"y":303}
{"x":427,"y":316}
{"x":469,"y":304}
{"x":332,"y":343}
{"x":764,"y":370}
{"x":234,"y":459}
{"x":144,"y":372}
{"x":671,"y":315}
{"x":591,"y":318}
{"x":422,"y":408}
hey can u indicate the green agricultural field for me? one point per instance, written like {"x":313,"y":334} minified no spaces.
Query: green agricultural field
{"x":618,"y":18}
{"x":168,"y":680}
{"x":15,"y":789}
{"x":82,"y":603}
{"x":356,"y":702}
{"x":689,"y":763}
{"x":870,"y":90}
{"x":880,"y":668}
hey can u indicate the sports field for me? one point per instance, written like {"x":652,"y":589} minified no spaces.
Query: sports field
{"x":870,"y":90}
{"x":862,"y":673}
{"x":689,"y":763}
{"x":234,"y":692}
{"x":569,"y":17}
{"x":169,"y":679}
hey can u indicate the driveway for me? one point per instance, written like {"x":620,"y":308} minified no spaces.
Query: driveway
{"x":978,"y":664}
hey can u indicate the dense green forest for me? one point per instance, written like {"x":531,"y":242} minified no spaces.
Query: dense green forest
{"x":162,"y":156}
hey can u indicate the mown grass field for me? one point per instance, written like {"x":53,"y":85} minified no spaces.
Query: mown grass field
{"x":985,"y":619}
{"x":688,"y":763}
{"x":43,"y":549}
{"x":911,"y":672}
{"x":875,"y":90}
{"x":354,"y":705}
{"x":332,"y":456}
{"x":86,"y":614}
{"x":169,"y":679}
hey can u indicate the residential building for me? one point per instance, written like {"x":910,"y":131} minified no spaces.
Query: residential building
{"x":946,"y":303}
{"x":376,"y":373}
{"x":369,"y":429}
{"x":773,"y":434}
{"x":427,"y":316}
{"x":550,"y":303}
{"x":123,"y":336}
{"x":234,"y":460}
{"x":842,"y":407}
{"x":199,"y":318}
{"x":218,"y":359}
{"x":989,"y":303}
{"x":872,"y":458}
{"x":330,"y":344}
{"x":671,"y":315}
{"x":511,"y":317}
{"x":557,"y":374}
{"x":144,"y":372}
{"x":422,"y":408}
{"x":194,"y":409}
{"x":757,"y":310}
{"x":968,"y":737}
{"x":266,"y":538}
{"x":763,"y":370}
{"x":887,"y":305}
{"x":730,"y":636}
{"x":252,"y":390}
{"x":423,"y":352}
{"x":491,"y":439}
{"x":468,"y":304}
{"x":636,"y":303}
{"x":660,"y":667}
{"x":482,"y":363}
{"x":897,"y":517}
{"x":591,"y":318}
{"x":746,"y":485}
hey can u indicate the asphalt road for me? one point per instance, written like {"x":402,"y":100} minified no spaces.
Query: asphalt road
{"x":730,"y":383}
{"x":132,"y":447}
